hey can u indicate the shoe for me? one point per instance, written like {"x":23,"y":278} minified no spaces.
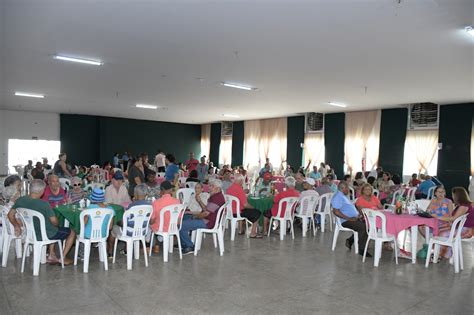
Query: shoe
{"x":156,"y":249}
{"x":110,"y":255}
{"x":349,"y":244}
{"x":368,"y":255}
{"x":187,"y":250}
{"x":68,"y":261}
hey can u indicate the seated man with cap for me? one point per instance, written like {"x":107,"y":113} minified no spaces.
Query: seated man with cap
{"x":117,"y":192}
{"x":263,"y":187}
{"x":97,"y":199}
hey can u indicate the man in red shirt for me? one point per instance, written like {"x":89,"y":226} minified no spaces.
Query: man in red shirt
{"x":290,"y":191}
{"x":246,"y":210}
{"x":192,"y":163}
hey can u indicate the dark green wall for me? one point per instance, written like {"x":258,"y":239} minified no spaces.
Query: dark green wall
{"x":295,"y":136}
{"x":215,"y":143}
{"x":455,"y":134}
{"x":334,"y":134}
{"x":393,"y":130}
{"x":94,"y":139}
{"x":238,"y":143}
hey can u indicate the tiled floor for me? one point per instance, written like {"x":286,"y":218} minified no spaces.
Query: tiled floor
{"x":254,"y":276}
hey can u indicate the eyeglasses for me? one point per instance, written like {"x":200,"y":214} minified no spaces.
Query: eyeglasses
{"x":76,"y":184}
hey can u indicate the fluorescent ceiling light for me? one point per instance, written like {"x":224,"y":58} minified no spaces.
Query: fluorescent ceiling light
{"x":147,"y":106}
{"x":79,"y":60}
{"x":238,"y":86}
{"x":29,"y":94}
{"x":469,"y":30}
{"x":231,"y":115}
{"x":337,"y":104}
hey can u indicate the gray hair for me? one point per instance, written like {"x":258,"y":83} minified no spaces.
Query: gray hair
{"x":9,"y":192}
{"x":37,"y":186}
{"x":50,"y":176}
{"x":76,"y":179}
{"x":342,"y":185}
{"x":239,"y":178}
{"x":216,"y":182}
{"x":290,"y":181}
{"x":140,"y":190}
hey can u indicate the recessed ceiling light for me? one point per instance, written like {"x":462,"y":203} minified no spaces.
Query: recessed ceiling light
{"x":238,"y":86}
{"x":469,"y":30}
{"x":79,"y":60}
{"x":337,"y":104}
{"x":147,"y":106}
{"x":231,"y":115}
{"x":29,"y":94}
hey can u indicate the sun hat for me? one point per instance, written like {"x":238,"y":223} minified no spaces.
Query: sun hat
{"x":97,"y":195}
{"x":310,"y":181}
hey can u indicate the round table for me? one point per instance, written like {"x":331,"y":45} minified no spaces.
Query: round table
{"x":68,"y":212}
{"x":262,"y":204}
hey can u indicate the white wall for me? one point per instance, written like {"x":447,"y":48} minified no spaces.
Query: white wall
{"x":25,"y":125}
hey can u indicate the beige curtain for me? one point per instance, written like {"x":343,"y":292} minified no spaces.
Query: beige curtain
{"x":313,"y":148}
{"x":265,"y":138}
{"x":225,"y":150}
{"x":421,"y":152}
{"x":361,"y":145}
{"x":472,"y":148}
{"x":205,"y":139}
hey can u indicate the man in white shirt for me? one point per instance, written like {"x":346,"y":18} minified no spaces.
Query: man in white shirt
{"x":160,"y":162}
{"x":117,"y":193}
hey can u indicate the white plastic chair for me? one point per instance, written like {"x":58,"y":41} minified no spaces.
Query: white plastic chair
{"x":218,"y":230}
{"x":411,"y":194}
{"x":182,"y":180}
{"x":325,"y":211}
{"x":431,"y":193}
{"x":161,"y":174}
{"x":135,"y":226}
{"x":234,"y":220}
{"x":97,"y":217}
{"x":184,"y":195}
{"x":376,"y":192}
{"x":307,"y":208}
{"x":340,"y":228}
{"x":27,"y":217}
{"x":91,"y":186}
{"x":352,"y":194}
{"x":191,"y":185}
{"x":395,"y":196}
{"x":422,"y":204}
{"x":65,"y":183}
{"x":453,"y":241}
{"x":379,"y":235}
{"x":8,"y":235}
{"x":286,"y":206}
{"x":175,"y":214}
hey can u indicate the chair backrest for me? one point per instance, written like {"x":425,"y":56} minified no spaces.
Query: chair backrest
{"x":160,"y":174}
{"x":184,"y":195}
{"x":182,"y":180}
{"x":422,"y":204}
{"x":376,"y":192}
{"x":97,"y":218}
{"x":136,"y":220}
{"x":220,"y":218}
{"x":230,"y":201}
{"x":371,"y":217}
{"x":308,"y":204}
{"x":286,"y":206}
{"x":175,"y":214}
{"x":7,"y":226}
{"x":91,"y":186}
{"x":431,"y":193}
{"x":28,"y":216}
{"x":395,"y":196}
{"x":324,"y":203}
{"x":351,"y":193}
{"x":65,"y":183}
{"x":411,"y":194}
{"x":456,"y":228}
{"x":191,"y":185}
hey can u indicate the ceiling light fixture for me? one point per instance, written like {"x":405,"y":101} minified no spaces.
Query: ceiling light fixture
{"x":29,"y":94}
{"x":147,"y":106}
{"x":238,"y":86}
{"x":231,"y":115}
{"x":469,"y":30}
{"x":337,"y":104}
{"x":79,"y":60}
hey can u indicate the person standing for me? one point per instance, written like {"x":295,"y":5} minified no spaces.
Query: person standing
{"x":192,"y":163}
{"x":37,"y":172}
{"x":172,"y":170}
{"x":46,"y":166}
{"x":202,"y":169}
{"x":136,"y":175}
{"x":28,"y":168}
{"x":60,"y":167}
{"x":160,"y":161}
{"x":125,"y":159}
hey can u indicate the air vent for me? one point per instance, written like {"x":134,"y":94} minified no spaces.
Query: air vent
{"x":226,"y":128}
{"x":314,"y":123}
{"x":423,"y":116}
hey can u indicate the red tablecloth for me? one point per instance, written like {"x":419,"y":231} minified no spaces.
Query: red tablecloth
{"x":279,"y":186}
{"x":279,"y":178}
{"x":400,"y":222}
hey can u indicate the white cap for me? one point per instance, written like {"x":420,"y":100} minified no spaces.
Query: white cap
{"x":310,"y":181}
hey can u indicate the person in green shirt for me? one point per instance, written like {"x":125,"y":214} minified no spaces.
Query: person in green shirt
{"x":53,"y":231}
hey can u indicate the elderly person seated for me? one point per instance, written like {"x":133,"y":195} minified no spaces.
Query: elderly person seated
{"x":53,"y":193}
{"x":350,"y":216}
{"x":152,"y":185}
{"x":367,"y":199}
{"x":97,"y":199}
{"x":299,"y":177}
{"x":331,"y":184}
{"x":204,"y":220}
{"x":324,"y":188}
{"x":37,"y":172}
{"x":198,"y":201}
{"x":117,"y":192}
{"x":13,"y":180}
{"x":75,"y":194}
{"x":414,"y":181}
{"x":308,"y":187}
{"x":263,"y":187}
{"x":246,"y":210}
{"x":226,"y":181}
{"x":10,"y":195}
{"x":139,"y":199}
{"x":54,"y":232}
{"x":290,"y":191}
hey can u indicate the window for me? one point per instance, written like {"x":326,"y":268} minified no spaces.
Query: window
{"x":313,"y":148}
{"x":421,"y":152}
{"x":20,"y":151}
{"x":225,"y":150}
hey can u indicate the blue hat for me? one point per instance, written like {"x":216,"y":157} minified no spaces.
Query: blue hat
{"x":118,"y":175}
{"x":97,"y":195}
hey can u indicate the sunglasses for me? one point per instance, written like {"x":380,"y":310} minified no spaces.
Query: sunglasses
{"x":76,"y":185}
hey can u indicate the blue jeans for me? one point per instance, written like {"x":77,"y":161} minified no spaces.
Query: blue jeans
{"x":188,"y":226}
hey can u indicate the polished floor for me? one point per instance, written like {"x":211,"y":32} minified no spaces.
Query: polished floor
{"x":253,"y":277}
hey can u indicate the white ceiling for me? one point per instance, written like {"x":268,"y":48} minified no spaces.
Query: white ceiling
{"x":299,"y":55}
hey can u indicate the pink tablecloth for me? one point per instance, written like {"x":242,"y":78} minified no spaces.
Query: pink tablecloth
{"x":279,"y":186}
{"x":399,"y":222}
{"x":279,"y":178}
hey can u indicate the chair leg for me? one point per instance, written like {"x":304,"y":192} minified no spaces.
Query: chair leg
{"x":395,"y":250}
{"x":61,"y":253}
{"x":365,"y":249}
{"x":6,"y":249}
{"x":87,"y":253}
{"x":18,"y":247}
{"x":270,"y":226}
{"x":214,"y":238}
{"x":334,"y":239}
{"x":323,"y":222}
{"x":129,"y":254}
{"x":428,"y":254}
{"x":151,"y":242}
{"x":179,"y":247}
{"x":461,"y":263}
{"x":170,"y":248}
{"x":136,"y":249}
{"x":115,"y":250}
{"x":456,"y":257}
{"x":37,"y":249}
{"x":220,"y":237}
{"x":76,"y":252}
{"x":436,"y":253}
{"x":282,"y":229}
{"x":304,"y":226}
{"x":378,"y":252}
{"x":22,"y":258}
{"x":43,"y":255}
{"x":292,"y":229}
{"x":104,"y":252}
{"x":166,"y":244}
{"x":356,"y":242}
{"x":233,"y":227}
{"x":314,"y":226}
{"x":144,"y":252}
{"x":330,"y":221}
{"x":197,"y":243}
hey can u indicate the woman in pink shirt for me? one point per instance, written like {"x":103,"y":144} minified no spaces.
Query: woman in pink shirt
{"x":367,"y":199}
